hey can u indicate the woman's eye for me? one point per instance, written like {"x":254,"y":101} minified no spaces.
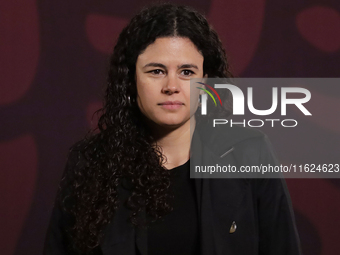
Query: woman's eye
{"x":157,"y":71}
{"x":187,"y":72}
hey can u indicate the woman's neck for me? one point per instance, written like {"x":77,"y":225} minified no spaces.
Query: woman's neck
{"x":175,"y":143}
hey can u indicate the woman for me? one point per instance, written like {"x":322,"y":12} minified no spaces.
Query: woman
{"x":126,"y":190}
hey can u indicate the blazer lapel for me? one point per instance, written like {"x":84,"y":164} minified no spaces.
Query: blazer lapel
{"x":217,"y":199}
{"x":204,"y":208}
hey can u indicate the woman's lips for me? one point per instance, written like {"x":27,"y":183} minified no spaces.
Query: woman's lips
{"x":171,"y":104}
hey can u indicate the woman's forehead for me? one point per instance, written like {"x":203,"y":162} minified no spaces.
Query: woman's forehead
{"x":171,"y":49}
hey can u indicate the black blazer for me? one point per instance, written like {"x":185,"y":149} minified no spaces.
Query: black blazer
{"x":237,"y":216}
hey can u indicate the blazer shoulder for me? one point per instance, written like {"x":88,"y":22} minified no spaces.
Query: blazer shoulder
{"x":240,"y":133}
{"x":222,"y":138}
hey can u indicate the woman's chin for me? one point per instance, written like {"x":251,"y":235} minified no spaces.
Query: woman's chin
{"x":171,"y":124}
{"x":167,"y":122}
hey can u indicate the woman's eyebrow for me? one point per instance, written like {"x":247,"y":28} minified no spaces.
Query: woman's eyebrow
{"x":153,"y":64}
{"x":188,"y":66}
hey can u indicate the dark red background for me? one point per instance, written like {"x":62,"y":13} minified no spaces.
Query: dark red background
{"x":53,"y":62}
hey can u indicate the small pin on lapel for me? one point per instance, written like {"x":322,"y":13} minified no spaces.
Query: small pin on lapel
{"x":233,"y":227}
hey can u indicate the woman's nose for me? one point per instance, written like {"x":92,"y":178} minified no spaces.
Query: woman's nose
{"x":171,"y":84}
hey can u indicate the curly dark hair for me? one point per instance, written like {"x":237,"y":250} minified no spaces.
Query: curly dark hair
{"x":122,"y":151}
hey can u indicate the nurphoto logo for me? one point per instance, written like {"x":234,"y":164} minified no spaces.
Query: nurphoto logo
{"x":239,"y":104}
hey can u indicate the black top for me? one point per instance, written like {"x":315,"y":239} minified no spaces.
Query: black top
{"x":177,"y":232}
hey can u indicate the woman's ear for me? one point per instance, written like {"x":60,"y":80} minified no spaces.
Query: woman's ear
{"x":205,"y":78}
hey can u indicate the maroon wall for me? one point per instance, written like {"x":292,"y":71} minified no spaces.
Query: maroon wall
{"x":53,"y":62}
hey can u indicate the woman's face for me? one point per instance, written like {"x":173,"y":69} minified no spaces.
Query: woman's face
{"x":163,"y":73}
